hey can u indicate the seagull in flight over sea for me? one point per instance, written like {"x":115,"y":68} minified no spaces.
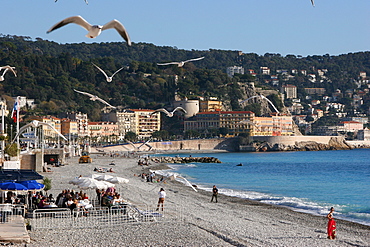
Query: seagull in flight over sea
{"x":109,"y":79}
{"x":180,"y":64}
{"x":6,"y":68}
{"x":94,"y":30}
{"x":94,"y":97}
{"x":170,"y":114}
{"x":85,"y":1}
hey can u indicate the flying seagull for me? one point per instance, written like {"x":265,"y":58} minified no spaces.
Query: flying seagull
{"x":85,"y":1}
{"x":109,"y":79}
{"x":180,"y":64}
{"x":313,"y":3}
{"x":94,"y":97}
{"x":170,"y":114}
{"x":36,"y":124}
{"x":6,"y":68}
{"x":94,"y":30}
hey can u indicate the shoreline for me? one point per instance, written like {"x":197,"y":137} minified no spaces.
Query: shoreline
{"x":167,"y":167}
{"x":230,"y":222}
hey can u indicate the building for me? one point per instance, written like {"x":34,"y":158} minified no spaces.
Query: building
{"x":350,"y":126}
{"x":363,"y":134}
{"x":230,"y":71}
{"x":24,"y":102}
{"x":82,"y":123}
{"x":204,"y":121}
{"x":318,"y":91}
{"x":69,"y":128}
{"x":103,"y":131}
{"x":139,"y":121}
{"x":272,"y":126}
{"x":290,"y":91}
{"x":210,"y":105}
{"x":265,"y":70}
{"x":191,"y":106}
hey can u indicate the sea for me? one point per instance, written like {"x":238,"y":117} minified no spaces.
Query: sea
{"x":307,"y":181}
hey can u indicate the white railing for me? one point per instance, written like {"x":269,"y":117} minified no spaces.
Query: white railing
{"x":62,"y":218}
{"x":10,"y":211}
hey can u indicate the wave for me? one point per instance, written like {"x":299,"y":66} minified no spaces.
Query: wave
{"x":345,"y":212}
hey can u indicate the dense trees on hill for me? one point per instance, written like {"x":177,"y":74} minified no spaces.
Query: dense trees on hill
{"x":48,"y":72}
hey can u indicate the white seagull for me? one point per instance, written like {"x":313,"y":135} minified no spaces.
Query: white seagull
{"x":94,"y":30}
{"x":180,"y":64}
{"x":94,"y":97}
{"x":7,"y":67}
{"x":170,"y":114}
{"x":85,"y":1}
{"x":36,"y":124}
{"x":109,"y":79}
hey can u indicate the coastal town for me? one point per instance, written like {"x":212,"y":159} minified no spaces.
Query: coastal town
{"x":184,"y":123}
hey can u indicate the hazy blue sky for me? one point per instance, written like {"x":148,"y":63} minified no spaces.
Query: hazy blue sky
{"x":259,"y":26}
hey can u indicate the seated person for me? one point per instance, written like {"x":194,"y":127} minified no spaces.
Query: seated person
{"x":43,"y":203}
{"x":84,"y":196}
{"x":69,"y":202}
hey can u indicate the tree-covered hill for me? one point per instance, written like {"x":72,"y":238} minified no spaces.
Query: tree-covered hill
{"x":48,"y":72}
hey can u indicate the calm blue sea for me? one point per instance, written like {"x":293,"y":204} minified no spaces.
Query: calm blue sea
{"x":310,"y":182}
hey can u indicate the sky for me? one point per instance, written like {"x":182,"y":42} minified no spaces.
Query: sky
{"x":252,"y":26}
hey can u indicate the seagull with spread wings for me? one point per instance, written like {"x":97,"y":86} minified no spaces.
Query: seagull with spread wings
{"x":180,"y":64}
{"x":6,"y":68}
{"x":170,"y":114}
{"x":36,"y":124}
{"x":109,"y":78}
{"x":94,"y":97}
{"x":93,"y":30}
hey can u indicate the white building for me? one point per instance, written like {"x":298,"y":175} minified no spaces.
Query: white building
{"x":234,"y":70}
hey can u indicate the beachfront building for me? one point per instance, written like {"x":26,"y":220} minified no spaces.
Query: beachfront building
{"x":69,"y":128}
{"x":230,"y":120}
{"x":139,"y":121}
{"x":103,"y":131}
{"x":82,"y":123}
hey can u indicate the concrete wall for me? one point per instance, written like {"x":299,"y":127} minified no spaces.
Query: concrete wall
{"x":291,"y":140}
{"x":227,"y":144}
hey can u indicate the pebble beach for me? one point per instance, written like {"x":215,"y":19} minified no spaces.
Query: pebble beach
{"x":230,"y":222}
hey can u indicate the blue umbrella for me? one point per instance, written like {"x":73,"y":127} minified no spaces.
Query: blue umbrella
{"x":32,"y":185}
{"x":12,"y":186}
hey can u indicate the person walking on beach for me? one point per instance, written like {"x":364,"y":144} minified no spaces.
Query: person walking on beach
{"x":162,"y":196}
{"x":331,"y":224}
{"x":214,"y":193}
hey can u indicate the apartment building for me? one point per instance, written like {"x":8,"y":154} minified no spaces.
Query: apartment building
{"x":290,"y":91}
{"x":220,"y":119}
{"x":82,"y":123}
{"x":139,"y":121}
{"x":210,"y":105}
{"x":69,"y":128}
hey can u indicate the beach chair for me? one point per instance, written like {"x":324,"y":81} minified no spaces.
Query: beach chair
{"x":143,"y":216}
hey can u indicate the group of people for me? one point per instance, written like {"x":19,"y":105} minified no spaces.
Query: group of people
{"x":151,"y":177}
{"x":103,"y":169}
{"x":109,"y":198}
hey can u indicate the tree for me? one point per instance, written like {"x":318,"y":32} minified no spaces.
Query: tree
{"x":131,"y":136}
{"x":223,"y":131}
{"x":47,"y":182}
{"x":12,"y":149}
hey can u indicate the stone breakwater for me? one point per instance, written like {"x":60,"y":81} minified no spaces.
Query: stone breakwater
{"x":178,"y":160}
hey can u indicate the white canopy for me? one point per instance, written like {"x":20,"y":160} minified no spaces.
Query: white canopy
{"x":118,"y":180}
